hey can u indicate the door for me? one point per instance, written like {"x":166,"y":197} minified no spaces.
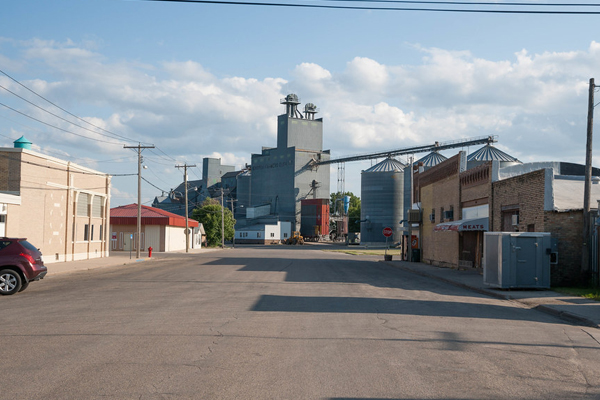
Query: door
{"x":128,"y":241}
{"x":526,"y":260}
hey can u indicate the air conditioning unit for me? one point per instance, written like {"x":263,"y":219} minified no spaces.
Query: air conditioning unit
{"x":414,"y":216}
{"x":515,"y":219}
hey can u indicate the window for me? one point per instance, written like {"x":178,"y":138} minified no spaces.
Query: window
{"x":285,"y":235}
{"x":272,"y":234}
{"x":442,"y":214}
{"x":86,"y":232}
{"x":92,"y":235}
{"x":100,"y":237}
{"x":257,"y":234}
{"x":83,"y":202}
{"x":432,"y":216}
{"x":510,"y":219}
{"x":449,"y":215}
{"x":97,"y":207}
{"x":4,"y":244}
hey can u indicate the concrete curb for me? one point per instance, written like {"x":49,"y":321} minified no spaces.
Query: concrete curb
{"x":564,"y":315}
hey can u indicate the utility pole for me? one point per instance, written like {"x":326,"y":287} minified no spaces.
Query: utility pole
{"x":409,"y":255}
{"x":222,"y":221}
{"x":585,"y":253}
{"x":187,"y":224}
{"x":139,"y":148}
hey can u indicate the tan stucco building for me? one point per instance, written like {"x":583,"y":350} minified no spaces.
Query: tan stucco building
{"x":160,"y":229}
{"x":60,"y":207}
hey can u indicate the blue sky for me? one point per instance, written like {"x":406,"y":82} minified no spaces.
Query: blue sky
{"x":201,"y":80}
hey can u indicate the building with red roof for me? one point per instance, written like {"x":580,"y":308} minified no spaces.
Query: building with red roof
{"x":161,"y":230}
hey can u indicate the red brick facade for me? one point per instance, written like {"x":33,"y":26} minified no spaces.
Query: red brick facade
{"x":524,"y":195}
{"x":515,"y":205}
{"x":440,"y":192}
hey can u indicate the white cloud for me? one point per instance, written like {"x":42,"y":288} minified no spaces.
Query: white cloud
{"x":365,"y":74}
{"x":536,"y":103}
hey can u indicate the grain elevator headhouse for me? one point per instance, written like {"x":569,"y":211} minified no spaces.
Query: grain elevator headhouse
{"x":284,"y":175}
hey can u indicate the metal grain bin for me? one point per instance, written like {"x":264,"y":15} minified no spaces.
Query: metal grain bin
{"x":382,"y":201}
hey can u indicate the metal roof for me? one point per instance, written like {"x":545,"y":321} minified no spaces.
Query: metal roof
{"x":490,"y":153}
{"x":432,"y":159}
{"x":387,"y":165}
{"x":232,"y":174}
{"x":127,"y":215}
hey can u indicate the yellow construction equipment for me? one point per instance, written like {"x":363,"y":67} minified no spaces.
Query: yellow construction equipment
{"x":296,"y":238}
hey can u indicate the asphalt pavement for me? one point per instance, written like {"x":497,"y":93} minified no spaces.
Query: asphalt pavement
{"x":574,"y":309}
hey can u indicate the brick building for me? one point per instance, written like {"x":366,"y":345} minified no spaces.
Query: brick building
{"x":439,"y":193}
{"x":545,"y":200}
{"x":475,"y":198}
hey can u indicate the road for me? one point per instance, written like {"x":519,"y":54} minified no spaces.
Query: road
{"x":282,"y":322}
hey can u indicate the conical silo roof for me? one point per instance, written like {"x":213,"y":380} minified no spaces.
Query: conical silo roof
{"x":432,"y":159}
{"x":387,"y":165}
{"x":490,"y":153}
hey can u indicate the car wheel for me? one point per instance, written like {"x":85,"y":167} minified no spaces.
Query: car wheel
{"x":24,"y":285}
{"x":10,"y":282}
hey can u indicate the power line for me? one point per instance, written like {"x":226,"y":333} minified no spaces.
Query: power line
{"x":327,"y":6}
{"x":62,"y":109}
{"x":74,"y":171}
{"x":168,"y":156}
{"x":55,"y":115}
{"x":153,"y":185}
{"x":56,"y":127}
{"x":475,"y":3}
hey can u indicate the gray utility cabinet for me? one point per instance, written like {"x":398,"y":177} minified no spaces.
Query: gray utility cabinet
{"x":517,"y":260}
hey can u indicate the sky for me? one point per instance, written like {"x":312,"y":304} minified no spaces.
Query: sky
{"x":206,"y":80}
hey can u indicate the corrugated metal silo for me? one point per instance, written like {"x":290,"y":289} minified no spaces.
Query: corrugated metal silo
{"x":490,"y":153}
{"x":382,"y":201}
{"x":243,"y":194}
{"x":431,"y":160}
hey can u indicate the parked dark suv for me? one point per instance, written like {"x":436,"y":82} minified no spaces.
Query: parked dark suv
{"x":20,"y":263}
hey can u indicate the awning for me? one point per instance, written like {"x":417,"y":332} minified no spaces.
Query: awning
{"x":464,"y":225}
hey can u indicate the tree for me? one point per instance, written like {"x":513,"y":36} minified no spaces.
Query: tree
{"x":354,"y":219}
{"x":338,"y":198}
{"x":353,"y":209}
{"x":209,"y":214}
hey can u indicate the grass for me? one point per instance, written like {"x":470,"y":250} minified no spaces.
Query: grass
{"x":367,"y":252}
{"x":588,"y":293}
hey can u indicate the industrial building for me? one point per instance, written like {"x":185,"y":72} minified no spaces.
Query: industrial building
{"x":281,"y":177}
{"x":209,"y":186}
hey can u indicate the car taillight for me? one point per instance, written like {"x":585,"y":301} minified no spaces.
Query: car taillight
{"x":28,"y":258}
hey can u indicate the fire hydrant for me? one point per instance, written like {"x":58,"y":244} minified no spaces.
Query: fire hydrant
{"x":150,"y":252}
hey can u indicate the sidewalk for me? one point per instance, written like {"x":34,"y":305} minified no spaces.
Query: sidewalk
{"x":116,"y":258}
{"x":577,"y":310}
